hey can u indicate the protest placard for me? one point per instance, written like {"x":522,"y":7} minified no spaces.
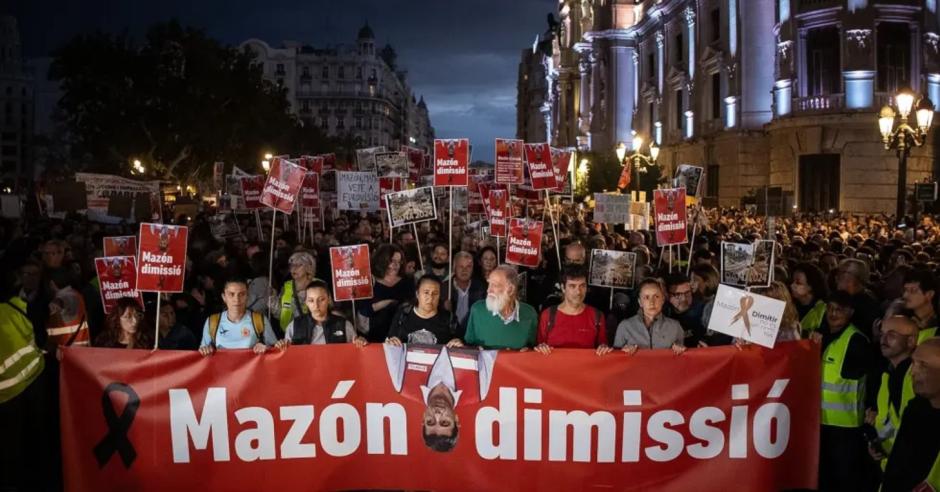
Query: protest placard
{"x":671,"y":224}
{"x":352,"y":273}
{"x":357,"y":191}
{"x":524,"y":243}
{"x":538,"y":158}
{"x":509,"y":161}
{"x":162,"y":261}
{"x":120,"y":245}
{"x":611,"y":268}
{"x":117,"y":279}
{"x":746,"y":315}
{"x":611,"y":208}
{"x":451,"y":162}
{"x":283,"y":185}
{"x":411,"y":206}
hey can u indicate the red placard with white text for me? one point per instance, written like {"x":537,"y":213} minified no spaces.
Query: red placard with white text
{"x":669,"y":210}
{"x":539,"y":160}
{"x":498,"y":209}
{"x":509,"y":165}
{"x":389,"y":185}
{"x":524,"y":243}
{"x":352,"y":272}
{"x":561,"y":158}
{"x":283,"y":185}
{"x":251,"y":191}
{"x":451,"y":162}
{"x":416,"y":159}
{"x":310,"y":190}
{"x":117,"y":278}
{"x":120,"y":246}
{"x":161,"y":264}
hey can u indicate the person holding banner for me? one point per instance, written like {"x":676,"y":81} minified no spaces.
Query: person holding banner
{"x":572,"y":324}
{"x":126,"y":326}
{"x":649,"y":328}
{"x":236,"y":327}
{"x":501,"y":321}
{"x":320,"y":326}
{"x":423,"y":323}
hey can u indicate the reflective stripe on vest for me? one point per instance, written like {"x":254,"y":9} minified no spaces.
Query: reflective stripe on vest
{"x":287,"y":301}
{"x":933,"y":478}
{"x":842,"y":399}
{"x":21,"y":362}
{"x":925,"y":334}
{"x":26,"y":373}
{"x":889,"y":418}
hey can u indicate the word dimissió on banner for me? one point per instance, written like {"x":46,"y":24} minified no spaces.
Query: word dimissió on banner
{"x":522,"y":246}
{"x":350,"y":278}
{"x":148,"y":267}
{"x":768,"y":432}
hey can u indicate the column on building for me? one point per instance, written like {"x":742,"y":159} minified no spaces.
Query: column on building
{"x":622,"y":71}
{"x":585,"y":96}
{"x":757,"y":47}
{"x":858,"y":67}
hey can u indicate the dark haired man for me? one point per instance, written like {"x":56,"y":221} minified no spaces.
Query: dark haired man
{"x":920,"y":292}
{"x":572,"y":323}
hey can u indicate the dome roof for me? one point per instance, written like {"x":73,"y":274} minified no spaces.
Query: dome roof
{"x":365,"y":32}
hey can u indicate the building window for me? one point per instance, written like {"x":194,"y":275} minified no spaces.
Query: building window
{"x":824,"y":75}
{"x":711,"y":180}
{"x":326,"y":72}
{"x":678,"y":48}
{"x":716,"y":95}
{"x":650,"y":65}
{"x":279,"y":70}
{"x":715,"y":24}
{"x":894,"y":51}
{"x":305,"y":72}
{"x":680,"y":113}
{"x":652,"y":116}
{"x":359,"y":123}
{"x":340,"y":124}
{"x":341,"y":73}
{"x":359,"y":73}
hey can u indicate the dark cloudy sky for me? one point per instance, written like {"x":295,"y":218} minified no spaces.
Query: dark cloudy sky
{"x":462,"y":55}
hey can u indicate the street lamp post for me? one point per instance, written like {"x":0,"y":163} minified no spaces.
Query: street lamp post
{"x":903,"y":137}
{"x":637,"y":158}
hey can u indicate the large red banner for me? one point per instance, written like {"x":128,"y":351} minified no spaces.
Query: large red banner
{"x":710,"y":419}
{"x":451,"y":162}
{"x":671,"y":225}
{"x":539,"y":160}
{"x":251,"y":191}
{"x":283,"y":185}
{"x":352,"y":272}
{"x":117,"y":278}
{"x":120,"y":246}
{"x":524,"y":243}
{"x":509,"y":167}
{"x":161,"y":266}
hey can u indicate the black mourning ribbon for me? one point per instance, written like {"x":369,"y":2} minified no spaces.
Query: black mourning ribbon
{"x":116,"y":440}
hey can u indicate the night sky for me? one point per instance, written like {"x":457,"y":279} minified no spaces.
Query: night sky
{"x":461,"y":55}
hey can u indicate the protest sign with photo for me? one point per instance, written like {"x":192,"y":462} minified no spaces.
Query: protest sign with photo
{"x":223,"y":225}
{"x":392,"y":164}
{"x":252,"y":186}
{"x":117,"y":279}
{"x":746,"y":315}
{"x":736,"y":259}
{"x":524,"y":243}
{"x":162,"y":261}
{"x":365,"y":158}
{"x":283,"y":184}
{"x":690,"y":178}
{"x":611,"y":268}
{"x":310,"y":190}
{"x":509,"y":162}
{"x":451,"y":162}
{"x":761,"y":271}
{"x":671,"y":225}
{"x":538,"y":158}
{"x":475,"y":192}
{"x":120,"y":246}
{"x":498,"y":210}
{"x":410,"y":206}
{"x":639,"y":216}
{"x":352,"y":273}
{"x":611,"y":208}
{"x":357,"y":191}
{"x":389,"y":185}
{"x":415,"y":162}
{"x":561,"y":159}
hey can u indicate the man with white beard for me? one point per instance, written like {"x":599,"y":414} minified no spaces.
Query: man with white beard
{"x":501,"y":321}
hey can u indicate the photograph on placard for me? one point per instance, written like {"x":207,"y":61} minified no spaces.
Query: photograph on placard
{"x":611,"y":268}
{"x":761,"y":271}
{"x":365,"y":158}
{"x":611,"y":208}
{"x":411,"y":206}
{"x":392,"y":164}
{"x":736,"y":260}
{"x":689,"y":177}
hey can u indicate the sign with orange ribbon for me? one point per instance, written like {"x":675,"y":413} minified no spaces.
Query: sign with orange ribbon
{"x":746,"y":315}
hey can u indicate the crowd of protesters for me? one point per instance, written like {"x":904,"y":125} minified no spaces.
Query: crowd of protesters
{"x":862,"y":287}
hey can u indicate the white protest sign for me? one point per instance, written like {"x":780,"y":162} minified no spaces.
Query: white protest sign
{"x":611,"y":208}
{"x":357,"y":191}
{"x":746,"y":315}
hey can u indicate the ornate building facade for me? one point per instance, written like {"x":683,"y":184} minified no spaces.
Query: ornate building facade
{"x":779,"y":93}
{"x":16,"y":103}
{"x":349,"y":90}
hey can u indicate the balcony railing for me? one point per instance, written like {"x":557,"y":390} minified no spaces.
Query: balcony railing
{"x":819,"y":104}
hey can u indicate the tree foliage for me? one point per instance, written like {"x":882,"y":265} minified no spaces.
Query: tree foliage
{"x":178,"y":101}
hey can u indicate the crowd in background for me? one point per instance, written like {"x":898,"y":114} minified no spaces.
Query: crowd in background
{"x":863,"y":287}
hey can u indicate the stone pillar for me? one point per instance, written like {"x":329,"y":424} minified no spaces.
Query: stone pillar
{"x":622,"y":102}
{"x":585,"y":97}
{"x":858,"y":69}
